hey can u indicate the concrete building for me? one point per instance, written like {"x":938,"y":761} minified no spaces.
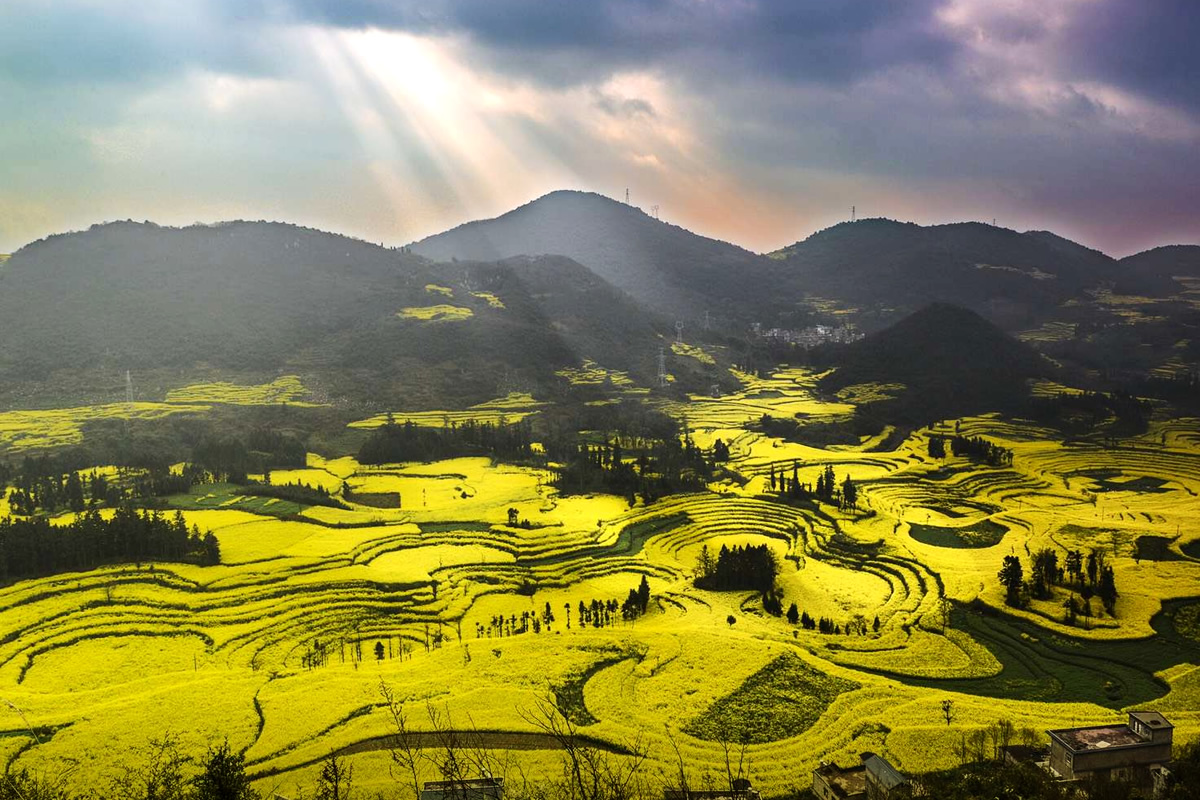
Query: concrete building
{"x":1134,"y":752}
{"x":873,"y":779}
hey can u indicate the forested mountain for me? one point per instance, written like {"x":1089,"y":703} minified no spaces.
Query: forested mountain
{"x":663,"y":266}
{"x":889,"y":268}
{"x":1152,"y":273}
{"x":949,"y":360}
{"x":259,"y":298}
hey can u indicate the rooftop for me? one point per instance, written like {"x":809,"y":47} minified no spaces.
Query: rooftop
{"x":844,"y":781}
{"x":1100,"y":738}
{"x":1151,"y":718}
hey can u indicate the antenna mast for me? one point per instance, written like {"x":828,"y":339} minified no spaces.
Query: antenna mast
{"x":128,"y":388}
{"x":853,"y":213}
{"x":655,"y":209}
{"x":626,"y":195}
{"x":679,"y":331}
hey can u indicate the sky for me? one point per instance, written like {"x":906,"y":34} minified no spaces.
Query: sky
{"x":753,"y":121}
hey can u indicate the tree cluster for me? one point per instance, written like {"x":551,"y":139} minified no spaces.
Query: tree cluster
{"x":656,"y":468}
{"x":1090,"y":575}
{"x":749,"y":567}
{"x":976,"y":448}
{"x":827,"y":489}
{"x":32,"y":548}
{"x":393,"y":443}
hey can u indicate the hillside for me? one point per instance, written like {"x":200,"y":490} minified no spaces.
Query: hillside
{"x":950,"y":361}
{"x":357,"y":321}
{"x":888,"y":268}
{"x":1152,"y":273}
{"x":663,"y":266}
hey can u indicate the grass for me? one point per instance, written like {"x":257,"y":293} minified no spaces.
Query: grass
{"x":985,"y":533}
{"x":1049,"y":667}
{"x":783,"y":699}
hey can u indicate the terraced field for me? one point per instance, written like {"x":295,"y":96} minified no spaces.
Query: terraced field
{"x":283,"y":646}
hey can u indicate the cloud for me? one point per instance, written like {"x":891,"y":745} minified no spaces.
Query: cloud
{"x":754,"y":120}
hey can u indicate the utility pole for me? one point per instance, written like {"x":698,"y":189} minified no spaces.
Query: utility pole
{"x":853,"y":213}
{"x":626,"y":195}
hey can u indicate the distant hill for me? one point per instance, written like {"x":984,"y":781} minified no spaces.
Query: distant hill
{"x":1153,"y":272}
{"x":259,"y":298}
{"x":890,"y":268}
{"x":950,"y":360}
{"x":663,"y":266}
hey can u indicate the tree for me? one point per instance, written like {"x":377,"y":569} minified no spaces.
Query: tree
{"x":1012,"y":578}
{"x":849,"y":494}
{"x":731,"y":619}
{"x":379,"y":651}
{"x":948,"y":711}
{"x":793,"y":614}
{"x":223,"y":776}
{"x":1106,"y":589}
{"x":334,"y":781}
{"x":937,"y":447}
{"x":944,"y":608}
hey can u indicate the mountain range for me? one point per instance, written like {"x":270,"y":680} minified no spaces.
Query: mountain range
{"x":507,"y":304}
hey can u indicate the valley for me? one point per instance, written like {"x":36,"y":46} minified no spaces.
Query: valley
{"x":456,"y":603}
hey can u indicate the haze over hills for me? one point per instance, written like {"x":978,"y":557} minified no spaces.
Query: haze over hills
{"x":666,"y":267}
{"x":1013,"y":278}
{"x":572,"y":277}
{"x":267,"y":297}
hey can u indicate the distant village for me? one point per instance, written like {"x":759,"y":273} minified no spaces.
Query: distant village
{"x":810,"y":337}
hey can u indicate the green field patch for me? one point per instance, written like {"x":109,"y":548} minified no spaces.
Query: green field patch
{"x":984,"y":533}
{"x":568,"y":693}
{"x":1156,"y":548}
{"x":447,"y":527}
{"x":1108,"y":480}
{"x":1187,"y":621}
{"x":231,"y":497}
{"x":1042,"y":666}
{"x":781,"y":700}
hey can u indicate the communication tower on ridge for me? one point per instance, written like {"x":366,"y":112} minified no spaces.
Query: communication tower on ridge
{"x":626,"y":195}
{"x":654,"y":208}
{"x":853,"y":213}
{"x":679,"y":331}
{"x":128,"y":388}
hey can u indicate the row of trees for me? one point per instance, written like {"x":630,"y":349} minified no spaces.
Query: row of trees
{"x":594,"y":613}
{"x":827,"y":489}
{"x":975,"y":448}
{"x":656,"y":469}
{"x":392,"y":443}
{"x":31,"y":548}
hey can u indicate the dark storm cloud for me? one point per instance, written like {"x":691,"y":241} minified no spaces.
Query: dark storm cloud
{"x":1151,"y":47}
{"x":808,"y":40}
